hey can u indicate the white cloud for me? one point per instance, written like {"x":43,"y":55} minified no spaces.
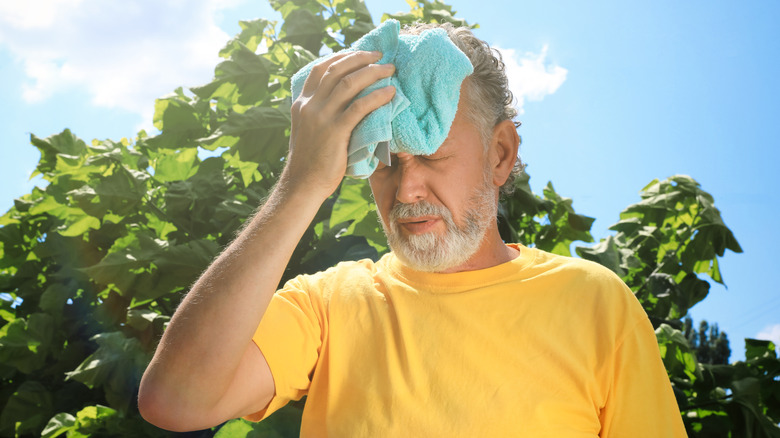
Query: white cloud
{"x":770,"y":333}
{"x":124,"y":54}
{"x":531,"y":77}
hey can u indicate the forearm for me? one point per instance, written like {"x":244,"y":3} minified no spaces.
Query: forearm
{"x":200,"y":351}
{"x":205,"y":369}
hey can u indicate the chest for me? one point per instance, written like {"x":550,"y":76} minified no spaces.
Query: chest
{"x":450,"y":363}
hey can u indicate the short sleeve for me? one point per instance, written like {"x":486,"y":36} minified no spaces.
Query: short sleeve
{"x":289,"y":336}
{"x":640,"y":401}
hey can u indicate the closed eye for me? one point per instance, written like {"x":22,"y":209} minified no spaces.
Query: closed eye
{"x":433,"y":157}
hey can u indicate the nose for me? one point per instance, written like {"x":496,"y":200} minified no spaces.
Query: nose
{"x":410,"y":180}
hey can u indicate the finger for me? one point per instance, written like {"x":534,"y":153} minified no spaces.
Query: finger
{"x":331,"y":74}
{"x":315,"y":75}
{"x":362,"y":107}
{"x":351,"y":85}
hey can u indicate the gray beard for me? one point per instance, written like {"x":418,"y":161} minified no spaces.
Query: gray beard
{"x":435,"y":253}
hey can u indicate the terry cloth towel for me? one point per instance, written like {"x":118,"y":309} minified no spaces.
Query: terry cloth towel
{"x":429,"y":72}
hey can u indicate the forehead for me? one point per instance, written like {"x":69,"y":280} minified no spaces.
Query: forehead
{"x":463,"y":133}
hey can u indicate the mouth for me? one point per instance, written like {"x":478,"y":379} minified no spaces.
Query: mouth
{"x":419,"y":225}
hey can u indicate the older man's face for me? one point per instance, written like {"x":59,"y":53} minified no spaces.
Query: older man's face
{"x":435,"y":209}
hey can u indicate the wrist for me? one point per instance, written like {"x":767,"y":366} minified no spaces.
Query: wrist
{"x":306,"y":185}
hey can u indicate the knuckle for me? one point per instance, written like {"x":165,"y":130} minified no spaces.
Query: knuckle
{"x":359,"y":107}
{"x":297,"y":106}
{"x":321,"y":68}
{"x":306,"y":111}
{"x":312,"y":115}
{"x":332,"y":69}
{"x":348,"y":82}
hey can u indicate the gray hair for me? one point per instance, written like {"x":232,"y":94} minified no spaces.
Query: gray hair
{"x":487,"y":89}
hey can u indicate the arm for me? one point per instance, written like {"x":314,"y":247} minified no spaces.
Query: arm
{"x":206,"y":369}
{"x":641,"y":402}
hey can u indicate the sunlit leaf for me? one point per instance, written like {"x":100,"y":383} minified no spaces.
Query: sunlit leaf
{"x":251,"y":35}
{"x":175,"y":166}
{"x":58,"y":425}
{"x":243,"y":79}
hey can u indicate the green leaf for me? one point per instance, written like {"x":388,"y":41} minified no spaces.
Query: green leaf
{"x":304,"y":28}
{"x":80,"y":225}
{"x":676,"y":353}
{"x":428,"y":12}
{"x":24,"y":343}
{"x":95,"y":420}
{"x":353,"y":202}
{"x":48,"y":204}
{"x":243,"y":79}
{"x":59,"y":424}
{"x":53,"y":299}
{"x":247,"y":169}
{"x":141,"y":319}
{"x":27,"y":409}
{"x":235,"y":428}
{"x":119,"y":193}
{"x":370,"y":228}
{"x":692,"y":290}
{"x":607,"y":253}
{"x":177,"y":267}
{"x":250,"y":37}
{"x":262,"y":133}
{"x":758,"y":348}
{"x":179,"y":119}
{"x":175,"y":166}
{"x":285,"y":422}
{"x":92,"y":417}
{"x":289,"y":59}
{"x":116,"y":366}
{"x":117,"y":268}
{"x":64,"y":143}
{"x":6,"y":316}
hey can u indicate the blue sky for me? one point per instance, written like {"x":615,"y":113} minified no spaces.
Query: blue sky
{"x":612,"y":94}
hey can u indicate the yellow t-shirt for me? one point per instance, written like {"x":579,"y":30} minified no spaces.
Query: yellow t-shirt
{"x":539,"y":346}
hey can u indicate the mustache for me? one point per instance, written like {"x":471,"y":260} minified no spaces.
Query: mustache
{"x":419,"y":208}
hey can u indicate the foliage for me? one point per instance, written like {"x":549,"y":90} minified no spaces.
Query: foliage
{"x":661,"y":247}
{"x":93,"y":265}
{"x":663,"y":243}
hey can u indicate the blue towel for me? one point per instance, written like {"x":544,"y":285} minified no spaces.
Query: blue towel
{"x":429,"y":72}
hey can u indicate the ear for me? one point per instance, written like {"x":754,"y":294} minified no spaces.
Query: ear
{"x":503,"y":151}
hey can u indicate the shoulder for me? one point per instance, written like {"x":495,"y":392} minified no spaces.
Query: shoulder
{"x":544,"y":263}
{"x":344,"y":270}
{"x":585,"y":284}
{"x":336,"y":277}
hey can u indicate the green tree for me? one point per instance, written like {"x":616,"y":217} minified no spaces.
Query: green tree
{"x":709,"y":343}
{"x":93,"y":265}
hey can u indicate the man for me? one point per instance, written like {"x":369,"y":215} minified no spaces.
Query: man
{"x":454,"y":333}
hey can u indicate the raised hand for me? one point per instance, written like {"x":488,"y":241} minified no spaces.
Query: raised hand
{"x":325,"y":114}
